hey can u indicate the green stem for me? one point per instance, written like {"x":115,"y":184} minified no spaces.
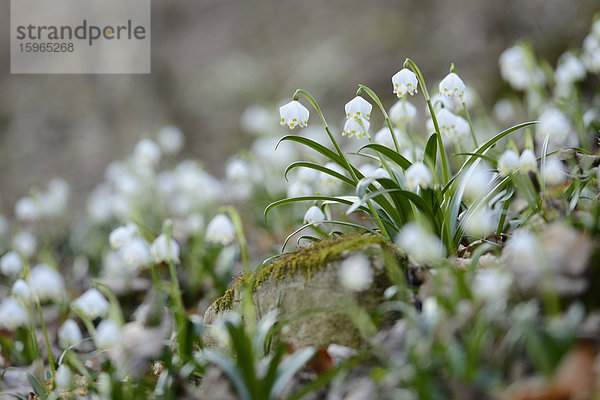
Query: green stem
{"x":470,"y":124}
{"x":503,"y":216}
{"x":375,"y":98}
{"x":46,"y":338}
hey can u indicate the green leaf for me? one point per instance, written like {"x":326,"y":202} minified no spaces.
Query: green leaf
{"x":287,"y":369}
{"x":315,"y":146}
{"x":431,"y":150}
{"x":15,"y":395}
{"x":389,"y":153}
{"x":38,"y":388}
{"x":338,"y":199}
{"x":231,"y":370}
{"x":320,"y":168}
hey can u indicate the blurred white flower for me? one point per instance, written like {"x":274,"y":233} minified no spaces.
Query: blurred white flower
{"x":99,"y":205}
{"x":477,"y":180}
{"x":570,"y":69}
{"x":92,"y":303}
{"x":508,"y":162}
{"x":420,"y":244}
{"x":438,"y":101}
{"x":491,"y":283}
{"x":431,"y":311}
{"x":194,"y":223}
{"x":402,"y":111}
{"x":146,"y":153}
{"x":518,"y":67}
{"x":170,"y":139}
{"x":554,"y":173}
{"x":314,"y":215}
{"x":256,"y":119}
{"x":591,"y":52}
{"x":135,"y":254}
{"x":46,"y":283}
{"x":11,"y":264}
{"x":164,"y":250}
{"x":238,"y":171}
{"x":108,"y":335}
{"x":358,"y":108}
{"x":523,"y":250}
{"x":12,"y":314}
{"x":527,"y":161}
{"x":220,"y":230}
{"x":297,"y":189}
{"x":418,"y":175}
{"x":294,"y":114}
{"x":64,"y":377}
{"x":447,"y":123}
{"x":504,"y":110}
{"x":123,"y":235}
{"x":355,"y":273}
{"x":479,"y":222}
{"x":25,"y":244}
{"x":27,"y":209}
{"x":20,"y":290}
{"x":554,"y":124}
{"x":54,"y":202}
{"x":384,"y":138}
{"x":356,"y":126}
{"x":404,"y":81}
{"x":69,"y":334}
{"x":452,"y":87}
{"x":328,"y":182}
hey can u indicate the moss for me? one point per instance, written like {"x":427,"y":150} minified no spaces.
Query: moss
{"x":305,"y":261}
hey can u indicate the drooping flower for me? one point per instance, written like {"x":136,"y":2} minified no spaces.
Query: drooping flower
{"x":384,"y":137}
{"x":356,"y":126}
{"x":358,"y":108}
{"x":554,"y":125}
{"x":328,"y":182}
{"x":170,"y":139}
{"x":220,"y":230}
{"x":504,"y":110}
{"x":479,"y":222}
{"x":146,"y":153}
{"x":108,"y":335}
{"x":491,"y":283}
{"x":27,"y":209}
{"x":123,"y":235}
{"x":314,"y":215}
{"x":355,"y":273}
{"x":12,"y":314}
{"x":25,"y":244}
{"x":20,"y":290}
{"x":11,"y":264}
{"x":570,"y":69}
{"x":298,"y":188}
{"x":69,"y":334}
{"x":64,"y":377}
{"x":554,"y":173}
{"x":523,"y":249}
{"x":294,"y":114}
{"x":135,"y":254}
{"x":452,"y":87}
{"x":163,"y":249}
{"x":420,"y":244}
{"x":238,"y":171}
{"x":519,"y":68}
{"x":92,"y":303}
{"x":477,"y":181}
{"x":404,"y":81}
{"x":508,"y":162}
{"x":402,"y":111}
{"x":46,"y":283}
{"x":527,"y":161}
{"x":418,"y":175}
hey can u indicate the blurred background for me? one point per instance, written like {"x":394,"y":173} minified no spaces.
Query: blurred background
{"x":211,"y":59}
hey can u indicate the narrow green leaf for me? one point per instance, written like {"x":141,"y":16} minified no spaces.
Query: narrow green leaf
{"x":38,"y":388}
{"x":389,"y":153}
{"x":231,"y":370}
{"x":339,"y":199}
{"x":431,"y":150}
{"x":318,"y":167}
{"x":315,"y":146}
{"x":288,"y":368}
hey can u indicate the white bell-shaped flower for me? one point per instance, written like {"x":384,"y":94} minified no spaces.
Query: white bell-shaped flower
{"x":527,"y":161}
{"x":554,"y":124}
{"x":420,"y":244}
{"x":25,"y":244}
{"x":20,"y":290}
{"x":452,"y":87}
{"x":384,"y":138}
{"x":170,"y":139}
{"x":163,"y":249}
{"x":146,"y":153}
{"x":69,"y":334}
{"x":123,"y":235}
{"x":27,"y":209}
{"x":508,"y":162}
{"x":554,"y":173}
{"x":64,"y":377}
{"x":356,"y":273}
{"x":570,"y":69}
{"x":135,"y":254}
{"x":314,"y":215}
{"x":404,"y":81}
{"x":356,"y":126}
{"x":46,"y":283}
{"x":358,"y":108}
{"x":402,"y":111}
{"x":11,"y":264}
{"x":220,"y":230}
{"x":92,"y":303}
{"x":294,"y":114}
{"x":12,"y":314}
{"x":108,"y":335}
{"x":418,"y":175}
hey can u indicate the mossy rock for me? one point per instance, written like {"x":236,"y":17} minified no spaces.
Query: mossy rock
{"x":305,"y":286}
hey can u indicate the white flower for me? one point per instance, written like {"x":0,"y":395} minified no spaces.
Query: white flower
{"x":479,"y":222}
{"x":108,"y":335}
{"x":418,"y":175}
{"x":69,"y":334}
{"x":238,"y":170}
{"x":452,"y":86}
{"x":307,"y":175}
{"x":12,"y":314}
{"x":314,"y":215}
{"x":64,"y":377}
{"x":27,"y":209}
{"x":194,"y":223}
{"x":527,"y":161}
{"x":328,"y":182}
{"x":256,"y":119}
{"x":164,"y":250}
{"x":404,"y":81}
{"x":20,"y":290}
{"x":293,"y":114}
{"x":356,"y":126}
{"x":523,"y":249}
{"x":553,"y":124}
{"x":384,"y":138}
{"x":452,"y":127}
{"x":554,"y":173}
{"x":591,"y":52}
{"x":123,"y":235}
{"x":55,"y":201}
{"x":92,"y":303}
{"x":518,"y":67}
{"x":298,"y":189}
{"x":220,"y":230}
{"x":491,"y":283}
{"x":421,"y":245}
{"x":431,"y":311}
{"x":25,"y":244}
{"x":46,"y":283}
{"x":402,"y":111}
{"x":355,"y":273}
{"x":508,"y":162}
{"x":570,"y":69}
{"x":11,"y":264}
{"x":170,"y":139}
{"x":358,"y":108}
{"x":504,"y":110}
{"x":135,"y":254}
{"x":146,"y":153}
{"x":477,"y":181}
